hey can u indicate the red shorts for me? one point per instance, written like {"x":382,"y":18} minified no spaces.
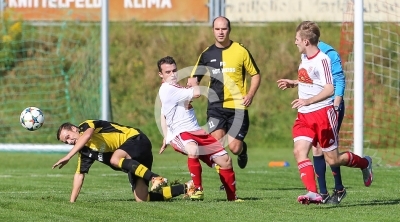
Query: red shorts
{"x":209,"y":147}
{"x":316,"y":127}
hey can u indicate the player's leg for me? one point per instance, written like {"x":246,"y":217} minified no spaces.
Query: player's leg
{"x":320,"y":170}
{"x":135,"y":156}
{"x":340,"y":191}
{"x":216,"y":124}
{"x":349,"y":159}
{"x":193,"y":164}
{"x":303,"y":137}
{"x":213,"y":154}
{"x":226,"y":174}
{"x":140,"y":190}
{"x":185,"y":143}
{"x":329,"y":140}
{"x":237,"y":127}
{"x":306,"y":170}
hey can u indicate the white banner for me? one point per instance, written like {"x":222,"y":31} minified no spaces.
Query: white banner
{"x":314,"y":10}
{"x":56,"y":148}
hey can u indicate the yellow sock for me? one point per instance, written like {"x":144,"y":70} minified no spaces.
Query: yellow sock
{"x":141,"y":170}
{"x":120,"y":162}
{"x":217,"y":167}
{"x":166,"y":192}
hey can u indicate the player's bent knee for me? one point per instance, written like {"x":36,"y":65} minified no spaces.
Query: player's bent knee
{"x":332,"y":162}
{"x":114,"y":162}
{"x":224,"y":161}
{"x":235,"y":149}
{"x":317,"y":151}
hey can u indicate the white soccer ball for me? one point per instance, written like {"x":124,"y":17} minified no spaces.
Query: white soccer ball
{"x":31,"y":118}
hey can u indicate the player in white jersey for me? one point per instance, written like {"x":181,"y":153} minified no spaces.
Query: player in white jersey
{"x":182,"y":131}
{"x":316,"y":119}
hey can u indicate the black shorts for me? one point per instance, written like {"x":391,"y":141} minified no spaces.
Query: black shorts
{"x":139,"y":148}
{"x":235,"y":122}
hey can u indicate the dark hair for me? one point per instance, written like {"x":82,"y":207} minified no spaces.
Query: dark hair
{"x":165,"y":60}
{"x":229,"y":22}
{"x":67,"y":126}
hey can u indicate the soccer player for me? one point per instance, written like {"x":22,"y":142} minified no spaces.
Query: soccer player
{"x":122,"y":148}
{"x":182,"y":131}
{"x":227,"y":63}
{"x":339,"y":85}
{"x":316,"y":120}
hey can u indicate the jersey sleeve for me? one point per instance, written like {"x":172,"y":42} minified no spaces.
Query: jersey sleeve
{"x":172,"y":93}
{"x":84,"y":164}
{"x":200,"y":69}
{"x":249,"y":63}
{"x":324,"y":70}
{"x":339,"y":78}
{"x":86,"y":125}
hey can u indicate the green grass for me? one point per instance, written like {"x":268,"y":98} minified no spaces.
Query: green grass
{"x":31,"y":191}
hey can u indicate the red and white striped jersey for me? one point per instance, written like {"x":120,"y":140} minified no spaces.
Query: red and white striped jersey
{"x":313,"y":74}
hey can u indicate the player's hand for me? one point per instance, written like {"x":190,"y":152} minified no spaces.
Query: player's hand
{"x":62,"y":162}
{"x":286,"y":83}
{"x":247,"y":100}
{"x":163,"y":147}
{"x":192,"y":82}
{"x":298,"y":103}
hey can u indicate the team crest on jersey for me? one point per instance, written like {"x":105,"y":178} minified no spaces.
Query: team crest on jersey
{"x":304,"y":77}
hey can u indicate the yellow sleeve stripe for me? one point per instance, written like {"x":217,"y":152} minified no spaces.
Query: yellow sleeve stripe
{"x":197,"y":64}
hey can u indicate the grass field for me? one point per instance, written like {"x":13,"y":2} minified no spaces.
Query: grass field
{"x":31,"y":191}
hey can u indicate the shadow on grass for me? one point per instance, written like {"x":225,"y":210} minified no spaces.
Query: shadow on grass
{"x":284,"y":188}
{"x":242,"y":198}
{"x":293,"y":188}
{"x":365,"y":203}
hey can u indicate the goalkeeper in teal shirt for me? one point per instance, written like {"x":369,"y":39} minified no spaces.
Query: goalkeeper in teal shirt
{"x":339,"y":83}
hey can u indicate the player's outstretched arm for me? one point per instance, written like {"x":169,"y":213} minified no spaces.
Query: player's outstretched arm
{"x":287,"y":83}
{"x":80,"y":143}
{"x":77,"y":185}
{"x":192,"y":82}
{"x":164,"y":130}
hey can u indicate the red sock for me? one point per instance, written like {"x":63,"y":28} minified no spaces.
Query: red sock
{"x":307,"y":175}
{"x":227,"y":177}
{"x":356,"y":161}
{"x":195,"y":170}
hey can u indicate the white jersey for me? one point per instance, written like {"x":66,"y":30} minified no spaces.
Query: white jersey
{"x":179,"y":113}
{"x":313,"y":74}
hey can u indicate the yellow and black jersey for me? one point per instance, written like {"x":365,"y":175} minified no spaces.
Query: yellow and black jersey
{"x":107,"y":137}
{"x":227,"y":69}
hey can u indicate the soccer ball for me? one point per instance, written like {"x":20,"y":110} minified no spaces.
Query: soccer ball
{"x":31,"y":118}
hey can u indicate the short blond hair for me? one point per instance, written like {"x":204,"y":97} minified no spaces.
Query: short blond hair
{"x":309,"y":30}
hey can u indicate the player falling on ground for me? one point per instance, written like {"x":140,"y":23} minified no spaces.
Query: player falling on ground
{"x":182,"y":131}
{"x":316,"y":120}
{"x":122,"y":148}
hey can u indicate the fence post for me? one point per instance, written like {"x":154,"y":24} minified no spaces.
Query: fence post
{"x":215,"y":8}
{"x":2,"y":7}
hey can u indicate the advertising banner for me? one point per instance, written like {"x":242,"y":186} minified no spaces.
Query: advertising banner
{"x":315,"y":10}
{"x":119,"y":10}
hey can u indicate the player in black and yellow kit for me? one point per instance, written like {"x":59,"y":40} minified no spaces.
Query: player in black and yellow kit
{"x":227,"y":62}
{"x":120,"y":147}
